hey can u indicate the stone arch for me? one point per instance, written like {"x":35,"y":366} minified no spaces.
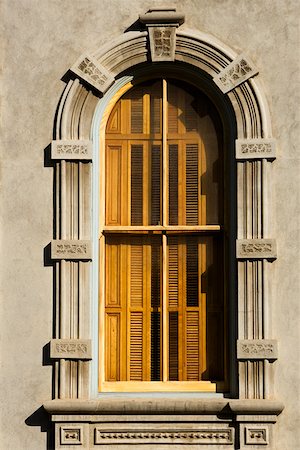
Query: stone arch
{"x":91,"y":79}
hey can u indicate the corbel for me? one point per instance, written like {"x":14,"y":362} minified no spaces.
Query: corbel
{"x":71,"y":250}
{"x":71,"y":349}
{"x":161,"y":24}
{"x":236,"y":73}
{"x":90,"y":70}
{"x":249,"y":149}
{"x":79,"y":150}
{"x":256,"y":249}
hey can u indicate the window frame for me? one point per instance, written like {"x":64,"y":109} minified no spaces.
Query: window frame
{"x":153,"y":386}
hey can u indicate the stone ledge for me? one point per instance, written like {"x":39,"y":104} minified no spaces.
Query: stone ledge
{"x":165,"y":406}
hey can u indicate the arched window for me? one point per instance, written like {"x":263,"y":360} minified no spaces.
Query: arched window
{"x":162,"y":242}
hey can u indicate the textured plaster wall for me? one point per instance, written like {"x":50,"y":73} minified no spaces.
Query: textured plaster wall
{"x":41,"y":40}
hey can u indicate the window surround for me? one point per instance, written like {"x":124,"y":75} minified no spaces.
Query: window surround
{"x":78,"y":113}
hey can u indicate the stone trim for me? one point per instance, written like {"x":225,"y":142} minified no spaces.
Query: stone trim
{"x":91,"y":71}
{"x":256,"y":349}
{"x":71,"y":250}
{"x":199,"y":436}
{"x":162,"y":24}
{"x":255,"y":148}
{"x":237,"y":72}
{"x":256,"y":249}
{"x":71,"y":349}
{"x":256,"y":435}
{"x":72,"y":150}
{"x":71,"y":435}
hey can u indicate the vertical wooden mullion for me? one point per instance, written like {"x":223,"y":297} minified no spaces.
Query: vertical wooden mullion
{"x":164,"y":237}
{"x":146,"y":183}
{"x":181,"y":329}
{"x":202,"y":308}
{"x":201,"y":171}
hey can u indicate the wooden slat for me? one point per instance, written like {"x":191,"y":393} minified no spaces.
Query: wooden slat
{"x":137,"y":176}
{"x":192,"y":184}
{"x":136,"y":345}
{"x":192,"y":345}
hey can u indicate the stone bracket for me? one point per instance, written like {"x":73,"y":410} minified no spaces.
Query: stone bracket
{"x":256,"y":249}
{"x":162,"y":24}
{"x":255,"y":148}
{"x":257,"y":349}
{"x":72,"y":150}
{"x":71,"y":349}
{"x":238,"y":71}
{"x":71,"y":249}
{"x":90,"y":70}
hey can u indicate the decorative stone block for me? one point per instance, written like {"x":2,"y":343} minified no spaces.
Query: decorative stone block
{"x":256,"y":435}
{"x":71,"y":349}
{"x":71,"y":435}
{"x":162,"y":24}
{"x":91,"y":71}
{"x":65,"y":249}
{"x":162,"y":43}
{"x":255,"y":148}
{"x":187,"y":437}
{"x":257,"y":349}
{"x":238,"y":71}
{"x":71,"y":150}
{"x":256,"y":249}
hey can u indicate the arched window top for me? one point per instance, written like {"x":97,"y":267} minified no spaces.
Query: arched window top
{"x":164,"y":303}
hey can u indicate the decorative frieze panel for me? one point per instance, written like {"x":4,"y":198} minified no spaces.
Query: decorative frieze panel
{"x":255,"y":148}
{"x":71,"y":435}
{"x":256,"y":435}
{"x":71,"y":349}
{"x":71,"y":250}
{"x":148,"y":436}
{"x":89,"y":69}
{"x":162,"y":24}
{"x":71,"y":150}
{"x":256,"y":249}
{"x":240,"y":70}
{"x":257,"y":349}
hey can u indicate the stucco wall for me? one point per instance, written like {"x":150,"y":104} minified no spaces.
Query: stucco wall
{"x":41,"y":41}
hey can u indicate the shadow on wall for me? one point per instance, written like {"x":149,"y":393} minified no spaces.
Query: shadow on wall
{"x":40,"y":418}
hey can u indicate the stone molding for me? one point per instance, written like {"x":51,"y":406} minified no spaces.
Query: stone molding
{"x":162,"y":24}
{"x":255,"y":149}
{"x":89,"y":70}
{"x":199,"y":436}
{"x":71,"y":435}
{"x":257,"y":349}
{"x":256,"y":435}
{"x":237,"y":72}
{"x":72,"y":150}
{"x":71,"y":250}
{"x":256,"y":249}
{"x":71,"y":349}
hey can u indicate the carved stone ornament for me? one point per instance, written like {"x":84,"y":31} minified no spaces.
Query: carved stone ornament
{"x":256,"y":349}
{"x":240,"y":70}
{"x":71,"y":150}
{"x":204,"y":436}
{"x":256,"y":249}
{"x":256,"y":435}
{"x":71,"y":435}
{"x":71,"y":349}
{"x":79,"y":250}
{"x":162,"y":24}
{"x":89,"y":69}
{"x":255,"y":148}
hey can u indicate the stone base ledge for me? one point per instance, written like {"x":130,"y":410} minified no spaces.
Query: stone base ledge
{"x":165,"y":406}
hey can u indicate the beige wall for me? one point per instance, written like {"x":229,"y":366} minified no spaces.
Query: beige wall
{"x":42,"y":39}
